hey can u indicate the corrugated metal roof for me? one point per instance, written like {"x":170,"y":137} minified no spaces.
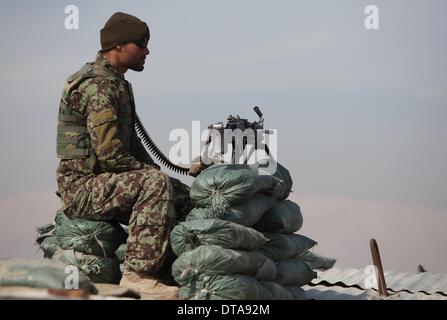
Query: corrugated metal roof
{"x":354,"y":284}
{"x":426,"y":282}
{"x":320,"y":292}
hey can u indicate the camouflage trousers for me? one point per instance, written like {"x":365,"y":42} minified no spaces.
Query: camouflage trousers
{"x":147,"y":200}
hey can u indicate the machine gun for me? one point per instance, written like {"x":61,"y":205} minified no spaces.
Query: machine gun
{"x":234,"y":126}
{"x":217,"y":142}
{"x":216,"y":138}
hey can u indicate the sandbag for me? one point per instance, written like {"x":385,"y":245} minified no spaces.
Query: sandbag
{"x":214,"y":260}
{"x":294,"y":272}
{"x":121,"y":252}
{"x":47,"y":229}
{"x":96,"y":268}
{"x":285,"y":246}
{"x":316,"y":261}
{"x":191,"y":234}
{"x":224,"y":287}
{"x":280,"y":292}
{"x":284,"y":180}
{"x":98,"y":238}
{"x":246,"y":213}
{"x":46,"y":240}
{"x":224,"y":185}
{"x":39,"y":274}
{"x":48,"y":244}
{"x":284,"y":217}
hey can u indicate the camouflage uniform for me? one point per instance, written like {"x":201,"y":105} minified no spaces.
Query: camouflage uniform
{"x":116,"y":179}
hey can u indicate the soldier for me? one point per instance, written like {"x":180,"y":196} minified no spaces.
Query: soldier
{"x":105,"y":172}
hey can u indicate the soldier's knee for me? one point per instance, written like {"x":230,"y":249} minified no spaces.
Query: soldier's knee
{"x":159,"y":182}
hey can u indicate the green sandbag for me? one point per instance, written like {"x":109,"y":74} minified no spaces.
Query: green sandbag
{"x":121,"y":252}
{"x":191,"y":234}
{"x":280,"y":292}
{"x":47,"y":229}
{"x":284,"y":217}
{"x":48,"y":244}
{"x":224,"y":185}
{"x":98,"y":238}
{"x":294,"y":272}
{"x":39,"y":274}
{"x":96,"y":268}
{"x":284,"y":246}
{"x":316,"y":261}
{"x":222,"y":287}
{"x":246,"y":213}
{"x":214,"y":260}
{"x":284,"y":181}
{"x":46,"y":240}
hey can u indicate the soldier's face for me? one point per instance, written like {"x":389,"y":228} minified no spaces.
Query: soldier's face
{"x":133,"y":56}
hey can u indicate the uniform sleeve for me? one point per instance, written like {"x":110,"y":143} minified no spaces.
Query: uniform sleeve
{"x":102,"y":125}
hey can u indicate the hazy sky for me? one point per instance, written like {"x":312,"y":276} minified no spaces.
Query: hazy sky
{"x":361,"y":114}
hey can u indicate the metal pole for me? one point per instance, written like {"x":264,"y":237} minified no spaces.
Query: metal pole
{"x":379,"y":269}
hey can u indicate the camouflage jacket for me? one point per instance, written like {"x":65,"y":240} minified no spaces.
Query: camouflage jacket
{"x":108,"y":106}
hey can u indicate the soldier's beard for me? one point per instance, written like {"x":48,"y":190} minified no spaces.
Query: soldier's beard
{"x":136,"y":65}
{"x":137,"y":68}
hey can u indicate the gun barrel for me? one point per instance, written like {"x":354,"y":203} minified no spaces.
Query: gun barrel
{"x":258,"y":111}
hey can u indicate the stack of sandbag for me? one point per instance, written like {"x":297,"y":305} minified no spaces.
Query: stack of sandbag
{"x":239,"y":242}
{"x":233,"y":191}
{"x":88,"y":245}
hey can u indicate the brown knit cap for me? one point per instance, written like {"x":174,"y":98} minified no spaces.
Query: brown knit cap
{"x":122,"y":28}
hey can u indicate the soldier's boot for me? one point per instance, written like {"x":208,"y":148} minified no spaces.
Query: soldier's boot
{"x":149,"y":287}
